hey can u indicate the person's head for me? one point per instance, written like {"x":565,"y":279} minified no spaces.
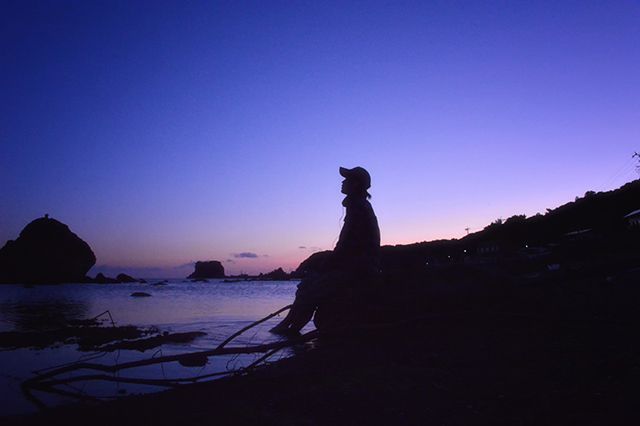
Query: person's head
{"x":356,"y":181}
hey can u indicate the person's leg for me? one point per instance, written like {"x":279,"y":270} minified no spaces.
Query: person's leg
{"x":321,"y":288}
{"x":302,"y":317}
{"x":286,"y":322}
{"x":302,"y":294}
{"x":311,"y":291}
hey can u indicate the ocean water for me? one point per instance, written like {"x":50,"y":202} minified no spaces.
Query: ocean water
{"x":215,"y":307}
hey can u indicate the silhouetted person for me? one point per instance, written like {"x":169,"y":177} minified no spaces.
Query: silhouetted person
{"x":354,"y":259}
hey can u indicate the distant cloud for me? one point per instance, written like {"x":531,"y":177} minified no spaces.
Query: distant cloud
{"x":302,"y":247}
{"x":230,"y":261}
{"x":245,"y":255}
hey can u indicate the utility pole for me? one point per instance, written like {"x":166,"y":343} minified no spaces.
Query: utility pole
{"x":636,"y":154}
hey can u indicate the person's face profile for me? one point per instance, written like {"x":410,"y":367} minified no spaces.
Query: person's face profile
{"x":349,"y":186}
{"x":343,"y":187}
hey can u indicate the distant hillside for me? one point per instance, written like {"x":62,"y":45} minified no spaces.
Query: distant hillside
{"x":600,"y":213}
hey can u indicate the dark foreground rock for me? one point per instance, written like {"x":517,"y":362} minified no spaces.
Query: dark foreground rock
{"x":89,"y":335}
{"x":208,"y":269}
{"x":45,"y":252}
{"x":153,"y":342}
{"x":88,"y":338}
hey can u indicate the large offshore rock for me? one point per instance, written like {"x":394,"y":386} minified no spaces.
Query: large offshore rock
{"x":45,"y":252}
{"x":209,"y":269}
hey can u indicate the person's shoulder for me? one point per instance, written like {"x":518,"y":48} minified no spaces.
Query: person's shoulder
{"x":366,"y":204}
{"x":365,"y":209}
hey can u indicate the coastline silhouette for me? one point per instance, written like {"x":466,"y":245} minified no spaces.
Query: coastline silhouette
{"x":521,"y":286}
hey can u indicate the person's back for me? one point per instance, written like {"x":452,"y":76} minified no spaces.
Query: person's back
{"x":359,"y":240}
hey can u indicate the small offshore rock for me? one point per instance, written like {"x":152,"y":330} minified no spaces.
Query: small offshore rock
{"x":102,"y":279}
{"x":140,"y":294}
{"x":124,"y":278}
{"x":275,"y":275}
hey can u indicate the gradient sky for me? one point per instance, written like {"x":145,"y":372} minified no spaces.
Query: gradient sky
{"x":168,"y":132}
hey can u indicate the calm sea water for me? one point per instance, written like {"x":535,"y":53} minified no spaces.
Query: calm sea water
{"x":216,"y":308}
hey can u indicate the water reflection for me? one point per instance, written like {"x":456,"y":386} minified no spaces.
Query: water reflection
{"x":41,"y":315}
{"x":216,"y":308}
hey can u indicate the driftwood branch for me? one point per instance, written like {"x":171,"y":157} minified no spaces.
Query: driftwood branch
{"x":239,"y":332}
{"x":171,"y":358}
{"x":261,"y":359}
{"x":47,"y":382}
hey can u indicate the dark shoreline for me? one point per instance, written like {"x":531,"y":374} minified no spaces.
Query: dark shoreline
{"x":563,"y":354}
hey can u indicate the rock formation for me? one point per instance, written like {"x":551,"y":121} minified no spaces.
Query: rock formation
{"x":45,"y":252}
{"x":314,"y":263}
{"x":120,"y":278}
{"x":124,"y":278}
{"x":209,"y":269}
{"x":275,"y":275}
{"x":103,"y":279}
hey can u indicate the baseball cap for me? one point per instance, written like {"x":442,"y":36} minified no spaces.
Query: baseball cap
{"x":357,"y":173}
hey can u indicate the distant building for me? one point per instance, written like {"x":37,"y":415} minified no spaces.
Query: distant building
{"x":498,"y":249}
{"x":633,"y":219}
{"x":489,"y":248}
{"x":579,"y":235}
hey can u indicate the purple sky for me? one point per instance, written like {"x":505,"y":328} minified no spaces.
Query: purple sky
{"x":168,"y":132}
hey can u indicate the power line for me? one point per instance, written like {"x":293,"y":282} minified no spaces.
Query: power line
{"x":622,"y":171}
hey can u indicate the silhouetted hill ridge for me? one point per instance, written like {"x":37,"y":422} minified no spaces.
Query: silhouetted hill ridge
{"x":600,"y":213}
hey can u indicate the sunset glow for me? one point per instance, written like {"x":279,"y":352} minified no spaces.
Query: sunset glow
{"x":165,"y":133}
